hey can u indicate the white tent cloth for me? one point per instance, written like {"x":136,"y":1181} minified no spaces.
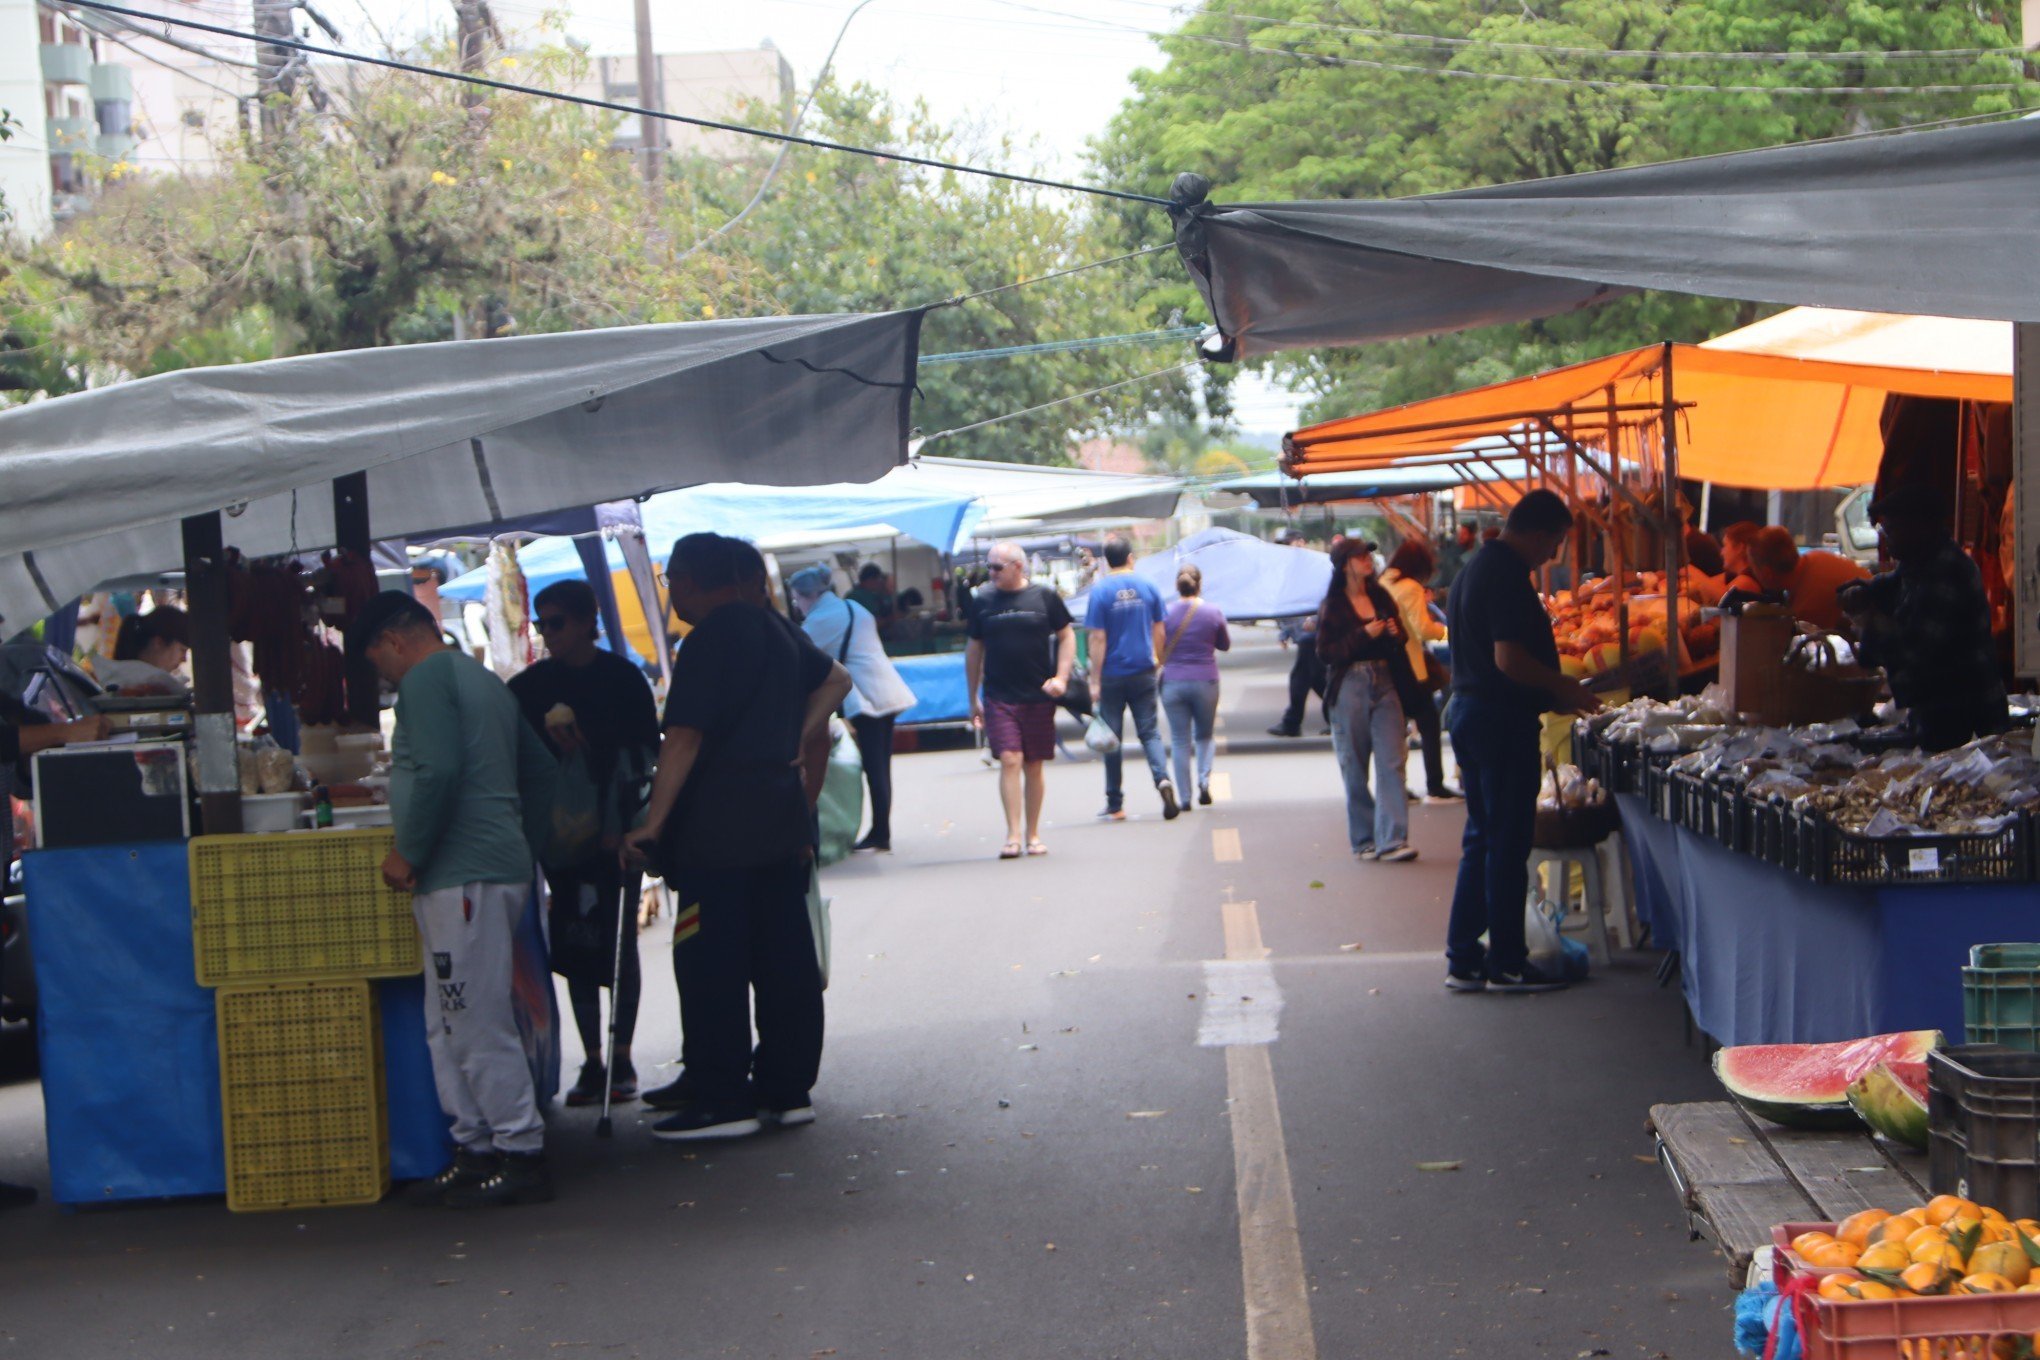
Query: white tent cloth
{"x":1947,"y":344}
{"x":1018,"y":497}
{"x":459,"y":433}
{"x":1943,"y":222}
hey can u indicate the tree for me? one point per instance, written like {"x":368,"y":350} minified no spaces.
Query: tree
{"x":854,"y":233}
{"x":1386,"y":98}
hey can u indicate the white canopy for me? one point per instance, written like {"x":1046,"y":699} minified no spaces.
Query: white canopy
{"x":1018,"y":497}
{"x":1948,"y":344}
{"x":93,"y":486}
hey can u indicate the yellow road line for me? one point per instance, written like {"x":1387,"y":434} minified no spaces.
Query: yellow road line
{"x":1221,"y":787}
{"x":1225,"y":845}
{"x":1277,"y":1292}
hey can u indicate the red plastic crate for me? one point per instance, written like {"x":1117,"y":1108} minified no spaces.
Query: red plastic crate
{"x":1955,"y":1327}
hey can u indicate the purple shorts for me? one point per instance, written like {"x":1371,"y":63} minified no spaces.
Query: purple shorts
{"x":1026,"y":728}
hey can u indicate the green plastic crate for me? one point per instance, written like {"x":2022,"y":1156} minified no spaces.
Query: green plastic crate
{"x":2001,"y":996}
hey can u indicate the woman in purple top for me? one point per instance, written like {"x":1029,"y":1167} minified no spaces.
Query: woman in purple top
{"x":1193,"y":634}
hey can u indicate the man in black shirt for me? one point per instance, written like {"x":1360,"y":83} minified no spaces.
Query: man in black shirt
{"x":1022,"y":645}
{"x":734,"y":834}
{"x":1504,"y":676}
{"x":1928,"y":623}
{"x":595,"y":711}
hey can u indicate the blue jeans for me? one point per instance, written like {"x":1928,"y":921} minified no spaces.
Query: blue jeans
{"x":1499,"y":770}
{"x":1116,"y":695}
{"x":1368,"y":724}
{"x":1192,"y":706}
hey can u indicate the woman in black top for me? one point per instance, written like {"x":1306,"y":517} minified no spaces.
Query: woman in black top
{"x":1361,"y":639}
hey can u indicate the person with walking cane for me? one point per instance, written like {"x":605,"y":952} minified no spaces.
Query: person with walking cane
{"x":594,"y":709}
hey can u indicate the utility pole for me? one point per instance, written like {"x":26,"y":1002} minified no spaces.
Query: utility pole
{"x":275,"y":74}
{"x":652,"y":130}
{"x":477,"y":33}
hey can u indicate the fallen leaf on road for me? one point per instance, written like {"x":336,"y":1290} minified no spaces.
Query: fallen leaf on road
{"x":1439,"y":1166}
{"x":1145,"y":1114}
{"x":1316,"y":883}
{"x":1349,"y":948}
{"x":1193,"y":1189}
{"x":1094,"y":958}
{"x":1030,"y":1048}
{"x":1739,"y":1142}
{"x":1049,"y":1247}
{"x":1374,"y":991}
{"x":1645,"y":1158}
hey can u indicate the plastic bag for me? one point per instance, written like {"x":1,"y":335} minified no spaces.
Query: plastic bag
{"x":1546,"y":945}
{"x":1100,"y":738}
{"x":576,"y":812}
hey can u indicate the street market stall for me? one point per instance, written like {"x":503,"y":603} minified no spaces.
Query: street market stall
{"x":129,"y":480}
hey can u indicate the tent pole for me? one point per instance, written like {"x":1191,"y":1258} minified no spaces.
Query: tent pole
{"x":212,"y":675}
{"x":1706,"y":504}
{"x":351,"y":533}
{"x":1675,"y":529}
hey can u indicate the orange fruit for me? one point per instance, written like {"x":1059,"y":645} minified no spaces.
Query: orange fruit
{"x":1835,"y":1288}
{"x":1897,"y":1228}
{"x":1884,"y":1256}
{"x":2001,"y":1258}
{"x":1806,"y":1241}
{"x":1984,"y":1283}
{"x":1941,"y":1208}
{"x":1927,"y":1277}
{"x":2029,"y":1226}
{"x":1991,"y":1215}
{"x":1938,"y":1253}
{"x":1831,"y":1254}
{"x":2031,"y":1287}
{"x":1997,"y":1230}
{"x":1869,"y":1289}
{"x":1857,"y":1227}
{"x":1920,"y":1237}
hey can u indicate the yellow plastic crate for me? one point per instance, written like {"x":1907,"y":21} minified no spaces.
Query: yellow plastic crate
{"x":305,"y":905}
{"x":302,"y":1096}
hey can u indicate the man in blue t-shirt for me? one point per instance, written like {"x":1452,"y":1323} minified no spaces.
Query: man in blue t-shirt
{"x":1125,"y":623}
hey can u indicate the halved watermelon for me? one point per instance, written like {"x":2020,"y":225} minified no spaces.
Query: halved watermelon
{"x":1892,"y":1099}
{"x":1806,"y":1086}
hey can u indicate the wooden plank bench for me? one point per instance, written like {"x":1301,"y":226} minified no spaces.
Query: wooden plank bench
{"x":1738,"y":1176}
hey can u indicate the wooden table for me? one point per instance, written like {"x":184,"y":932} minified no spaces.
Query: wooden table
{"x":1737,"y":1176}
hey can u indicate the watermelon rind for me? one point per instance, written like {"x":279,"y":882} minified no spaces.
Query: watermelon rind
{"x":1806,"y":1086}
{"x":1887,"y":1102}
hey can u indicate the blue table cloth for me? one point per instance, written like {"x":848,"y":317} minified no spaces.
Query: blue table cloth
{"x":129,"y":1050}
{"x":940,"y":694}
{"x":1768,"y":957}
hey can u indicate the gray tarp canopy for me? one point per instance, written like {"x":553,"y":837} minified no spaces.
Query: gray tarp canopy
{"x":1945,"y":223}
{"x":93,"y":487}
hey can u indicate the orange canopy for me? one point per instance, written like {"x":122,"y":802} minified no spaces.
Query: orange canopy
{"x":1745,"y":419}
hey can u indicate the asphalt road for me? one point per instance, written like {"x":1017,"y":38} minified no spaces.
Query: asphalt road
{"x":1023,"y":1149}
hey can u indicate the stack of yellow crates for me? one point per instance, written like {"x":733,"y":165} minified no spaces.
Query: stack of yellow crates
{"x":288,"y":929}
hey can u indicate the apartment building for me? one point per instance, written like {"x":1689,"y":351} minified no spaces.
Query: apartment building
{"x":719,"y":85}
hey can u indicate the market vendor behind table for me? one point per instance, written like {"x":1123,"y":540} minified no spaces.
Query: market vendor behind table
{"x":1927,"y":623}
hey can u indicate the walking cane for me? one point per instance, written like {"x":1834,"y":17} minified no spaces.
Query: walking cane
{"x":602,"y":1125}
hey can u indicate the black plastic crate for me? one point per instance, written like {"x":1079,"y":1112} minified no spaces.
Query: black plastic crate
{"x":1708,"y":807}
{"x":1983,"y":1126}
{"x":1829,"y":854}
{"x":1769,"y":833}
{"x":1654,"y":781}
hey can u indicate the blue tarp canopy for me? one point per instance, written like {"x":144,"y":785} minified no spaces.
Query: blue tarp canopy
{"x":761,"y":513}
{"x":1247,"y":577}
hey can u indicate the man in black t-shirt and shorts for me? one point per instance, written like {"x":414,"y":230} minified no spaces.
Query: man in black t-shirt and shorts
{"x":1022,"y":645}
{"x":731,"y":828}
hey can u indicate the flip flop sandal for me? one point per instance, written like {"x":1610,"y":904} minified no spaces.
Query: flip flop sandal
{"x":1036,"y":848}
{"x":1010,"y":850}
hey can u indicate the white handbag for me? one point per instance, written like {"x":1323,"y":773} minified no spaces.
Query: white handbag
{"x":1099,"y":737}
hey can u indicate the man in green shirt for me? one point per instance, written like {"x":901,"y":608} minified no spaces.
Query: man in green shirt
{"x":470,"y":790}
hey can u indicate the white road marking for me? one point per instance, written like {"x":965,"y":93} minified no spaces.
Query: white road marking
{"x":1221,"y":787}
{"x":1277,"y":1292}
{"x":1242,"y":1004}
{"x":1225,"y":845}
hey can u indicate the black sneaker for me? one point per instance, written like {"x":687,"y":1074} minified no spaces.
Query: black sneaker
{"x":1528,"y":978}
{"x":14,"y":1196}
{"x":786,"y":1116}
{"x":1285,"y":730}
{"x":1456,"y":981}
{"x":587,"y":1090}
{"x":697,"y":1122}
{"x":623,"y":1083}
{"x":520,"y":1178}
{"x":467,"y":1170}
{"x":1204,"y":794}
{"x":1167,"y":788}
{"x":872,"y":845}
{"x":671,"y":1096}
{"x":1397,"y":854}
{"x":1444,"y":793}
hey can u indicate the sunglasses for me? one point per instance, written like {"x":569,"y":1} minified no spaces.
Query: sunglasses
{"x":550,"y":622}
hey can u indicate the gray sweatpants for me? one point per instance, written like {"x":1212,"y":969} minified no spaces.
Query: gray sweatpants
{"x":478,"y":1060}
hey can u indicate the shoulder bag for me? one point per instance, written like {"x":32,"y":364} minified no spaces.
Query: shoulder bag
{"x":1169,"y":643}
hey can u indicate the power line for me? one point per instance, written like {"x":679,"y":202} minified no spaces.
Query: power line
{"x":1062,"y":401}
{"x":962,"y":298}
{"x":1066,"y":346}
{"x":611,"y":106}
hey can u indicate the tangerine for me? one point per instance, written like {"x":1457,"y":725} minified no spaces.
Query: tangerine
{"x":1897,"y":1228}
{"x":1835,"y":1288}
{"x":1857,"y":1227}
{"x":1941,"y":1208}
{"x":1807,"y":1241}
{"x":1832,"y":1254}
{"x":1939,"y":1253}
{"x":2001,"y":1258}
{"x":1927,"y":1277}
{"x":1914,"y":1241}
{"x":1869,"y":1289}
{"x":1884,"y":1256}
{"x":1984,"y":1283}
